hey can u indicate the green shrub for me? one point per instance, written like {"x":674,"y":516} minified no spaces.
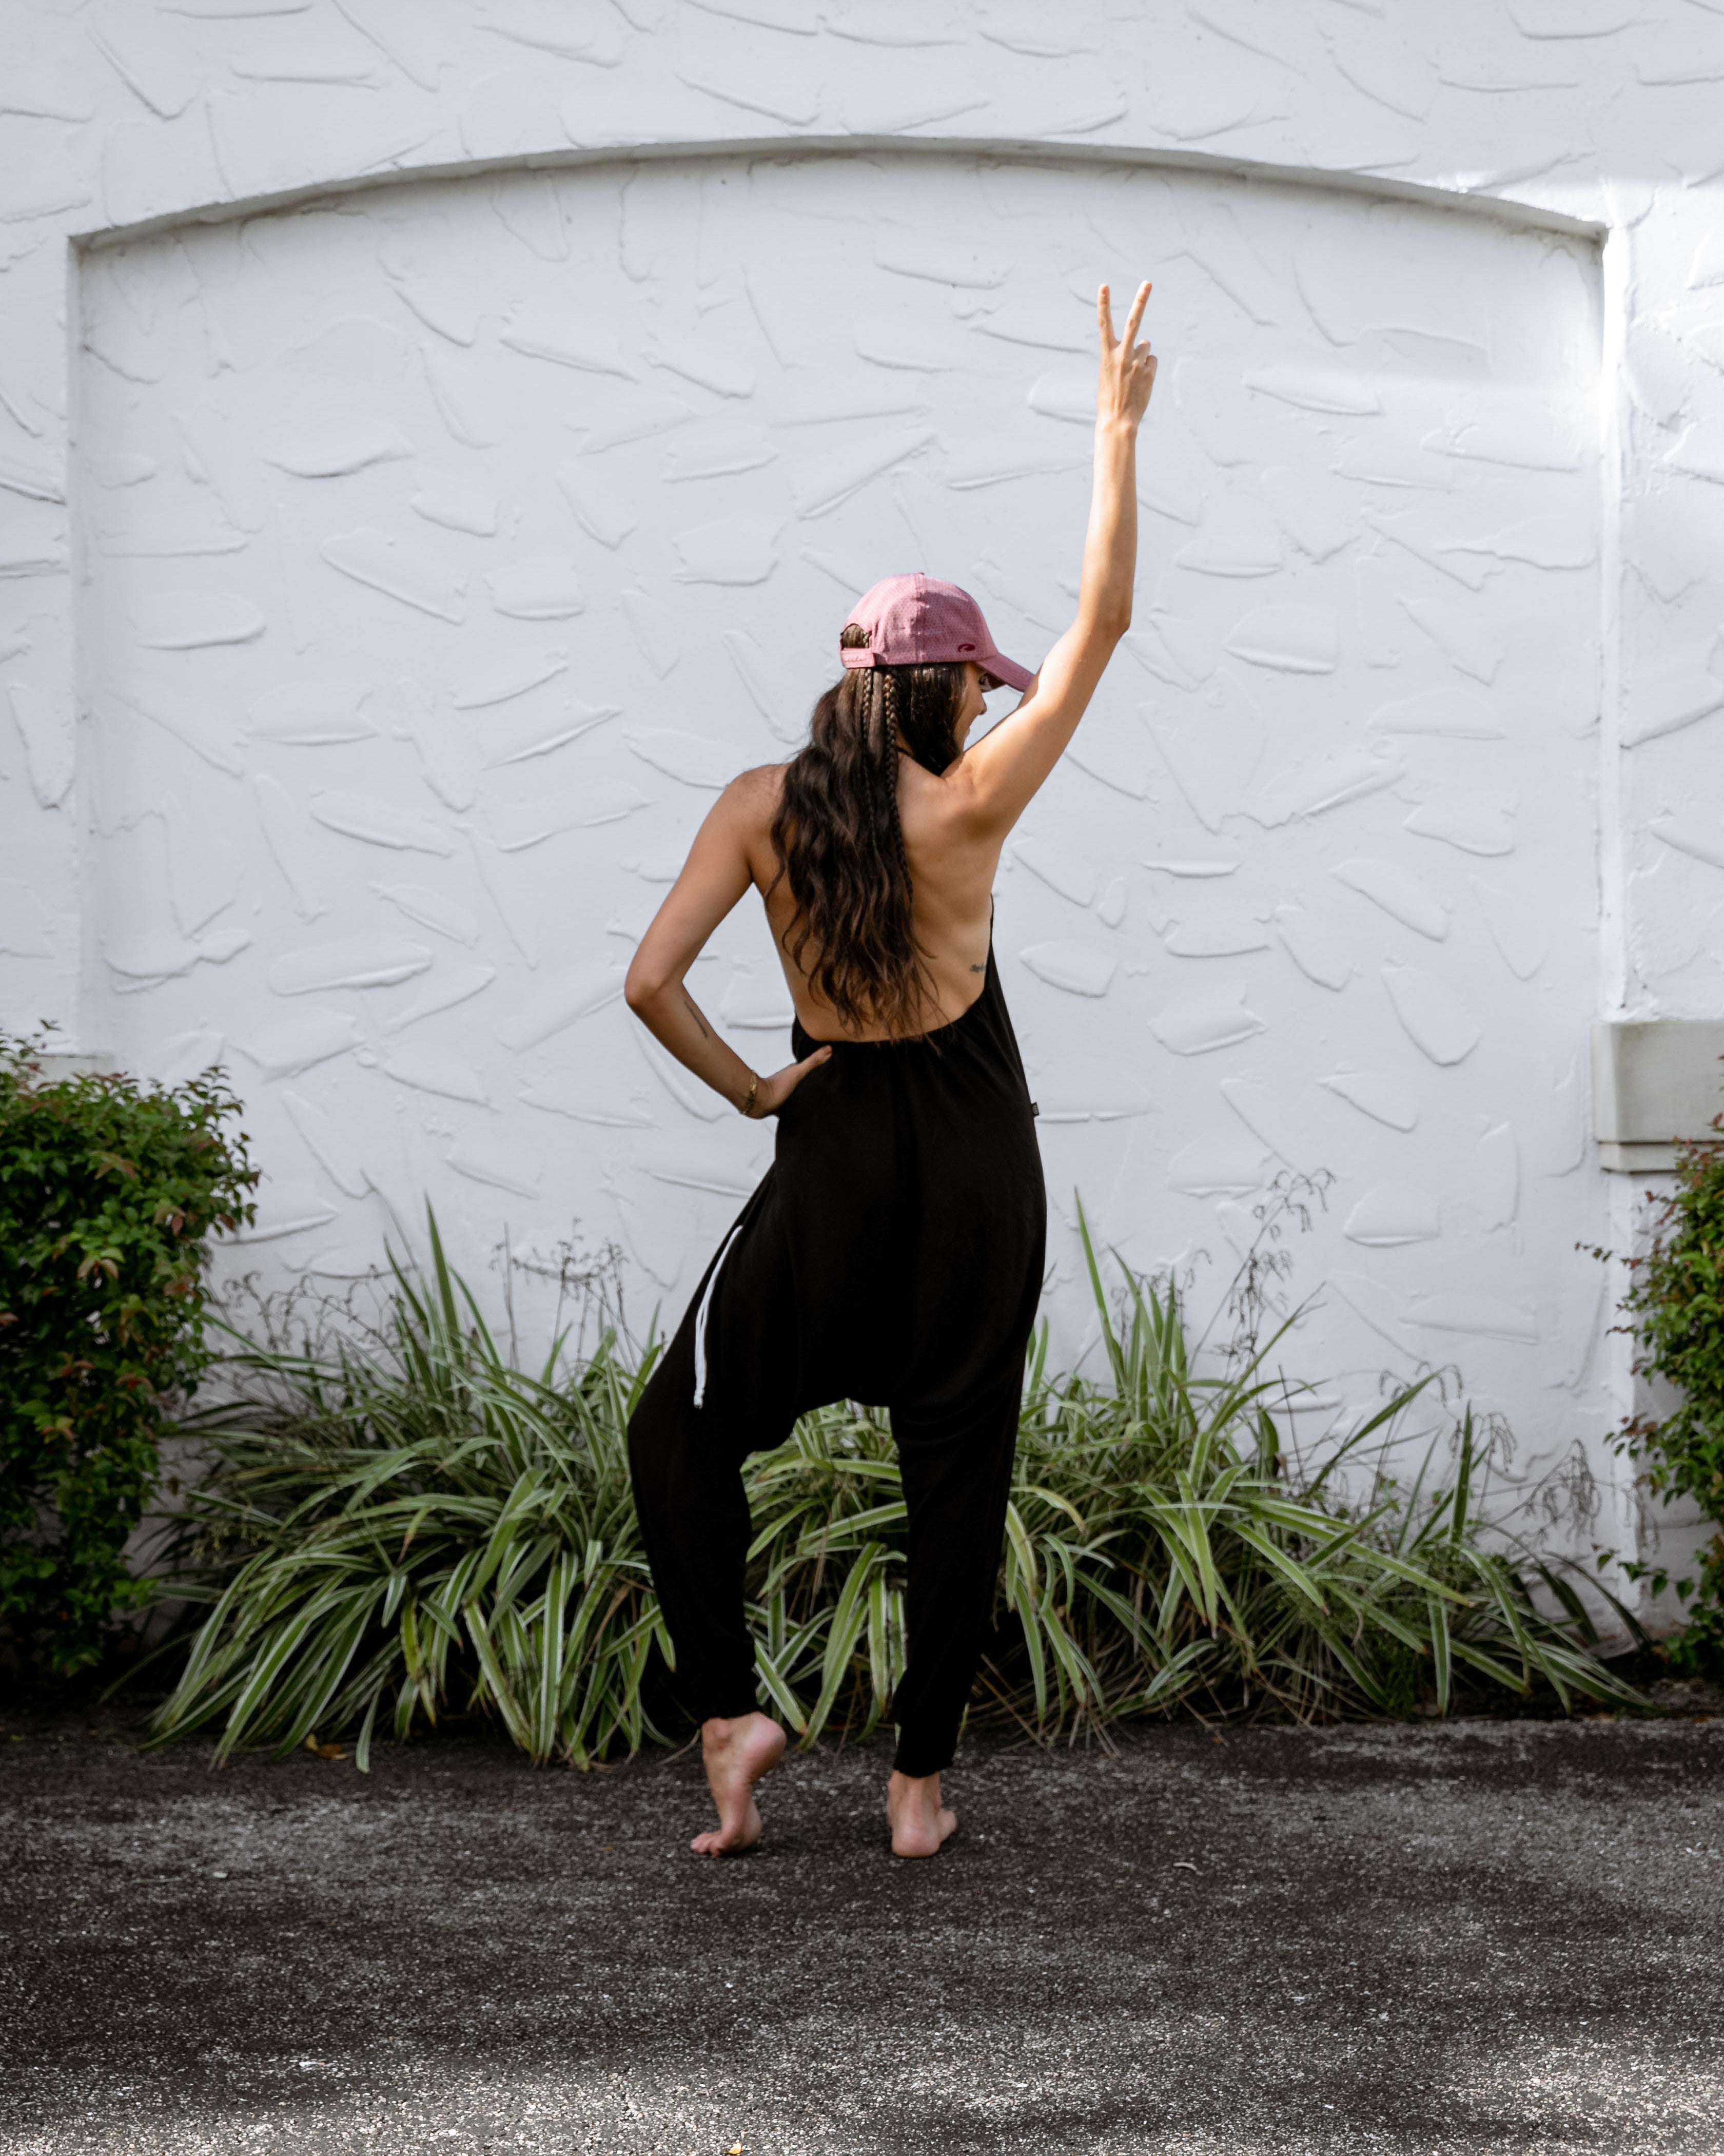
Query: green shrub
{"x":1676,"y":1309}
{"x":107,"y":1189}
{"x":395,"y":1526}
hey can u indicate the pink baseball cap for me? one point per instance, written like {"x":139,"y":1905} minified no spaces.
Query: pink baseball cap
{"x":923,"y":621}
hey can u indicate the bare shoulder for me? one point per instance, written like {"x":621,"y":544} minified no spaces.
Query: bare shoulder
{"x":751,"y":798}
{"x":748,"y":806}
{"x":964,"y":793}
{"x":764,"y":783}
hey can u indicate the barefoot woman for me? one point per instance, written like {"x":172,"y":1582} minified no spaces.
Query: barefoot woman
{"x":894,"y":1252}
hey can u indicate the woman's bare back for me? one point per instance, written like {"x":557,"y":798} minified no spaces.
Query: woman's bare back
{"x":952,"y":865}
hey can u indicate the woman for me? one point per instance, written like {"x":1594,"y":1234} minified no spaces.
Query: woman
{"x":894,"y":1252}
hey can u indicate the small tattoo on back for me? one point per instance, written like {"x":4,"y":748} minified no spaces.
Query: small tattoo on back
{"x":978,"y":969}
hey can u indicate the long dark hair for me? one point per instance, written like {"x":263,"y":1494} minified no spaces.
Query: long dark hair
{"x":839,"y":846}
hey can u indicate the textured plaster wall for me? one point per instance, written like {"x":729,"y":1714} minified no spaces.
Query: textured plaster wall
{"x":392,"y":570}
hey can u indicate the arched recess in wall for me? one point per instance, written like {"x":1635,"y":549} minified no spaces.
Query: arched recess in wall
{"x":447,"y":543}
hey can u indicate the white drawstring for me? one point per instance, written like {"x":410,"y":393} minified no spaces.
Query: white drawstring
{"x":701,"y":1318}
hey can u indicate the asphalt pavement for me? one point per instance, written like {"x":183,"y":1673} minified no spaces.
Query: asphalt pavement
{"x":1486,"y":1936}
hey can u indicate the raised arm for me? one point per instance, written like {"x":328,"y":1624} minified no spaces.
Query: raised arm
{"x":714,"y":876}
{"x":1009,"y":764}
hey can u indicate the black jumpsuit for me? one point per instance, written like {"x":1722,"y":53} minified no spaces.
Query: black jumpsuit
{"x":893,"y":1255}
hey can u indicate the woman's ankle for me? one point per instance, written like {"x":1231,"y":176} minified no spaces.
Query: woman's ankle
{"x":914,"y":1789}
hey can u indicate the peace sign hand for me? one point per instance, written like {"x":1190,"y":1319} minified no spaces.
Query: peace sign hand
{"x":1128,"y":368}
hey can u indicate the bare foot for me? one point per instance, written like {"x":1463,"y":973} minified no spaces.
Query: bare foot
{"x":919,"y":1822}
{"x":738,"y":1753}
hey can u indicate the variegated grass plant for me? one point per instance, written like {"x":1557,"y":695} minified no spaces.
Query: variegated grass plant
{"x":392,"y":1530}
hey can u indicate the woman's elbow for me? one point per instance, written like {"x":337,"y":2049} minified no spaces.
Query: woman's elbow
{"x":641,"y":988}
{"x":1109,"y":618}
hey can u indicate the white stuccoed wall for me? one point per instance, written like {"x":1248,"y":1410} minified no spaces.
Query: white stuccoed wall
{"x":418,"y":554}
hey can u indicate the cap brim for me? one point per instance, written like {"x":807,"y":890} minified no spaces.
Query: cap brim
{"x":1006,"y":671}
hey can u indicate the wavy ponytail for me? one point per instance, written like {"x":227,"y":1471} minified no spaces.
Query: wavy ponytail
{"x":840,"y":845}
